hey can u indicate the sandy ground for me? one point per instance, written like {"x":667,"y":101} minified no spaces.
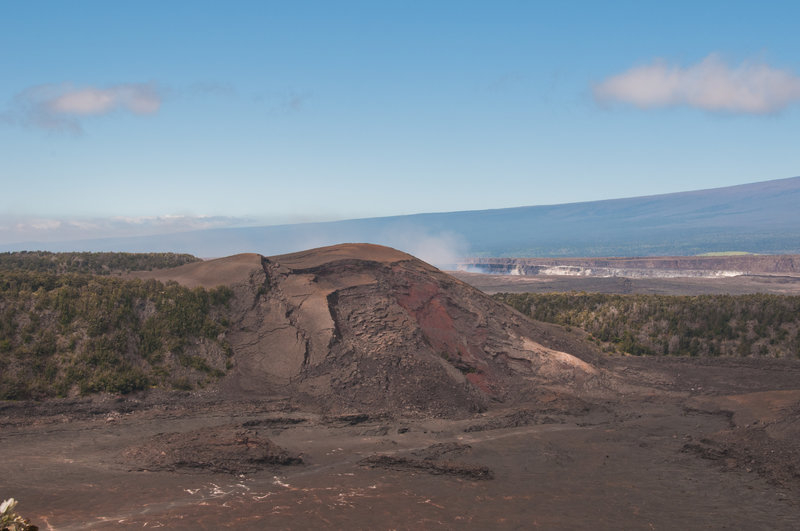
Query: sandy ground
{"x":207,"y":274}
{"x":628,"y":461}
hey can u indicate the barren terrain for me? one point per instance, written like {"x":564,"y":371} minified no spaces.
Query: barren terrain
{"x":686,"y":446}
{"x":651,"y":266}
{"x":778,"y":284}
{"x":678,"y":275}
{"x":372,"y":391}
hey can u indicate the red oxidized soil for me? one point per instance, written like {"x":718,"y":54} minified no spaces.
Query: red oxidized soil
{"x":425,"y":302}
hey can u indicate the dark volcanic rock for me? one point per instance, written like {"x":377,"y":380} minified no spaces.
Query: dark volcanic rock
{"x":523,"y":417}
{"x":763,"y":436}
{"x":227,"y":449}
{"x":439,"y":450}
{"x":447,"y":468}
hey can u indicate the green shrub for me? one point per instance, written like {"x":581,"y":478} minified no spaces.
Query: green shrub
{"x":705,"y":325}
{"x":63,"y":332}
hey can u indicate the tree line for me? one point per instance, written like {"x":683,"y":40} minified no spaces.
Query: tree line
{"x":65,"y":334}
{"x":90,"y":263}
{"x":702,"y":325}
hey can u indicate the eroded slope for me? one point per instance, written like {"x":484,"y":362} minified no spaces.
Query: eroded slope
{"x":361,"y":326}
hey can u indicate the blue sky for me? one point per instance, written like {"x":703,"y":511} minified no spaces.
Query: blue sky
{"x":135,"y":117}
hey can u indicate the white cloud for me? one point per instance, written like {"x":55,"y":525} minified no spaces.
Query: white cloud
{"x":46,"y":224}
{"x":712,"y":85}
{"x":139,"y":99}
{"x":61,"y":107}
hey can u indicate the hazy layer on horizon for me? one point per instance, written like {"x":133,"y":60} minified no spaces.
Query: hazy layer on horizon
{"x":758,"y":217}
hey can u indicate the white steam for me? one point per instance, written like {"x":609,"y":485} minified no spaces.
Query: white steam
{"x":443,"y":250}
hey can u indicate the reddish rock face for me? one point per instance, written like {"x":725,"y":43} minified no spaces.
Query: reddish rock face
{"x":458,"y":334}
{"x":357,"y":326}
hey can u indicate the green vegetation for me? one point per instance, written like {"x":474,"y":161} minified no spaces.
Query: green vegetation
{"x":63,"y":334}
{"x":705,"y":325}
{"x":90,"y":263}
{"x":10,"y":520}
{"x":727,"y":253}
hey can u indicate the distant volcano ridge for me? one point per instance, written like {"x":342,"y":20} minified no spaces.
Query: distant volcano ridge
{"x":760,"y":217}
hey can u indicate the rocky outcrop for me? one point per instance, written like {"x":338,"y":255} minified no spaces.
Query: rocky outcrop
{"x":223,"y":449}
{"x":363,"y":327}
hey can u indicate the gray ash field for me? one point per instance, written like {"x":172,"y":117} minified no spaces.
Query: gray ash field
{"x":370,"y":390}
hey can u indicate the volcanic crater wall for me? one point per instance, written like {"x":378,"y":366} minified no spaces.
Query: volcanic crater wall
{"x":653,"y":267}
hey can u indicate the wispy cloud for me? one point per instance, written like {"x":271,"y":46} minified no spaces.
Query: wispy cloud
{"x":294,"y":102}
{"x":711,"y":84}
{"x":55,"y":229}
{"x":211,"y":88}
{"x":282,"y":102}
{"x":62,"y":107}
{"x":504,"y":82}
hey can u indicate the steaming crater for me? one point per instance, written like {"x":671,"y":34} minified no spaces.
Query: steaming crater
{"x":515,"y":268}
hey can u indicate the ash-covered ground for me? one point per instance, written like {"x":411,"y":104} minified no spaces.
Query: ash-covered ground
{"x":372,"y":391}
{"x":683,"y":445}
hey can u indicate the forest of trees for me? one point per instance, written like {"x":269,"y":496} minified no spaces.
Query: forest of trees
{"x":70,"y":333}
{"x":90,"y":263}
{"x":703,"y":325}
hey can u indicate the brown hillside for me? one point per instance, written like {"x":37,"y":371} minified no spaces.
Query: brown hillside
{"x":209,"y":273}
{"x":368,"y":328}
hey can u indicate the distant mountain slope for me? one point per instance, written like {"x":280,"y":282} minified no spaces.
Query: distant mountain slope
{"x":761,"y":217}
